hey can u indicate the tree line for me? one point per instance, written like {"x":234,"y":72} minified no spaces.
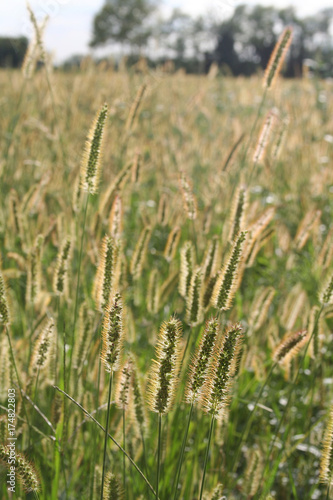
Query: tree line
{"x":239,"y":45}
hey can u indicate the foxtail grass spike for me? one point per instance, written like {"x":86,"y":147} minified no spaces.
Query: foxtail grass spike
{"x":34,"y":273}
{"x":227,"y":281}
{"x":4,"y":307}
{"x":238,"y":213}
{"x":135,"y":106}
{"x":163,"y":378}
{"x":207,"y":297}
{"x":60,"y":280}
{"x":260,"y":307}
{"x":124,"y":384}
{"x":216,"y":393}
{"x":190,"y":203}
{"x":172,"y":244}
{"x":289,"y":346}
{"x":43,"y":347}
{"x":217,"y":493}
{"x":326,"y":462}
{"x":116,"y":218}
{"x":112,"y":334}
{"x":91,"y":161}
{"x":265,"y":133}
{"x":326,"y":295}
{"x":278,"y":55}
{"x":107,"y":276}
{"x":136,"y":167}
{"x":194,"y":310}
{"x":187,"y":262}
{"x":280,"y":139}
{"x":24,"y":470}
{"x":200,"y":364}
{"x":163,"y":210}
{"x":86,"y":323}
{"x":153,"y":293}
{"x":210,"y":259}
{"x":138,"y":401}
{"x":253,"y":472}
{"x":140,"y":253}
{"x":113,"y":489}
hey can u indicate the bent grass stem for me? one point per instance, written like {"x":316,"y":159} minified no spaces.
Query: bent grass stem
{"x":111,"y":437}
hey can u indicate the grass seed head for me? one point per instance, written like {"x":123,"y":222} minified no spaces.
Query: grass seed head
{"x":215,"y":396}
{"x":217,"y":493}
{"x":112,"y":334}
{"x":289,"y":346}
{"x":107,"y":276}
{"x":23,"y":468}
{"x":190,"y":202}
{"x":238,"y":213}
{"x":210,"y":259}
{"x":200,"y":364}
{"x":163,"y":378}
{"x":91,"y":161}
{"x":187,"y":262}
{"x":172,"y":243}
{"x":194,"y":310}
{"x":60,"y":280}
{"x":43,"y":347}
{"x":326,"y":295}
{"x":113,"y":490}
{"x":116,"y":218}
{"x":326,"y":462}
{"x":140,"y":253}
{"x":4,"y":307}
{"x":227,"y":281}
{"x":278,"y":55}
{"x":124,"y":384}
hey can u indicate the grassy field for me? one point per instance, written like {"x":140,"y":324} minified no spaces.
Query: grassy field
{"x":177,"y":173}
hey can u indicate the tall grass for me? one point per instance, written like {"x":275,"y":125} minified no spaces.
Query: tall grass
{"x":196,"y":231}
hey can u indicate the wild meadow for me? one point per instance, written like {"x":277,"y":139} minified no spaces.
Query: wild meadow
{"x":166,"y":284}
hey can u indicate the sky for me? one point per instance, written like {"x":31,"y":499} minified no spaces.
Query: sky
{"x":69,"y":29}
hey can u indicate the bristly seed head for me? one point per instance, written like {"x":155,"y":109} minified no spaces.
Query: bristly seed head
{"x":43,"y":347}
{"x":187,"y":262}
{"x":107,"y":276}
{"x":24,"y":469}
{"x":91,"y":161}
{"x":227,"y":282}
{"x":277,"y":57}
{"x":194,"y":311}
{"x":60,"y":281}
{"x":215,"y":395}
{"x":190,"y":203}
{"x":4,"y":308}
{"x":140,"y":253}
{"x":112,"y":489}
{"x":238,"y":213}
{"x":201,"y":361}
{"x":172,"y":243}
{"x":326,"y":462}
{"x":164,"y":372}
{"x":289,"y":346}
{"x":326,"y":295}
{"x":124,"y":384}
{"x":112,"y":334}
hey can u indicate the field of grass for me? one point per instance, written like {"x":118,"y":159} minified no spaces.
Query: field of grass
{"x":176,"y":166}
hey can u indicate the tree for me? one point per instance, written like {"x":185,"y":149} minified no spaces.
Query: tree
{"x":123,"y":21}
{"x":246,"y":40}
